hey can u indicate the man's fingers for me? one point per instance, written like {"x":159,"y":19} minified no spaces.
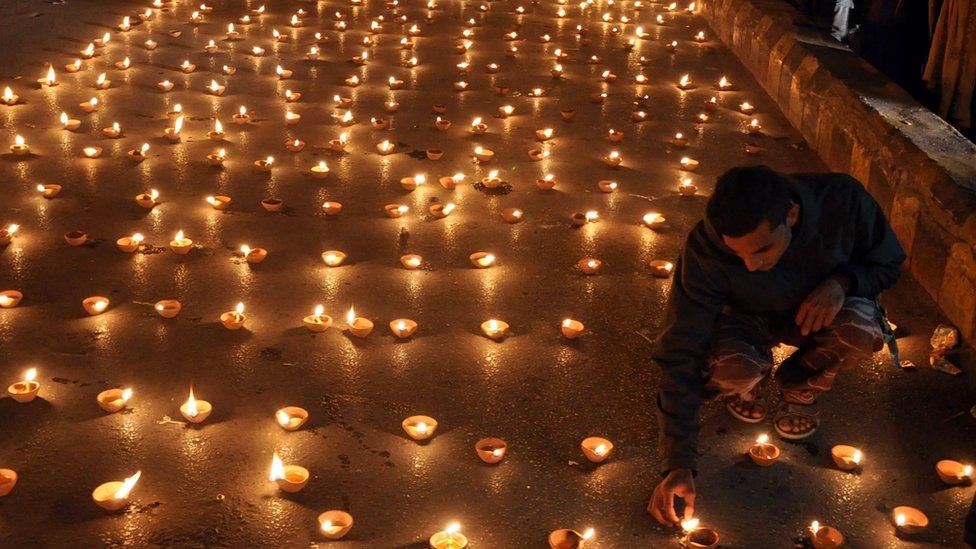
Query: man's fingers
{"x":818,"y":320}
{"x":689,"y":505}
{"x":808,"y":321}
{"x":655,"y":507}
{"x":669,"y":506}
{"x":801,"y":313}
{"x":831,"y":314}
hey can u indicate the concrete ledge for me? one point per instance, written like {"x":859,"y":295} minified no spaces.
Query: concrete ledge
{"x":920,"y":169}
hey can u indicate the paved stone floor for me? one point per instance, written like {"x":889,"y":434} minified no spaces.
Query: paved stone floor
{"x":207,"y":484}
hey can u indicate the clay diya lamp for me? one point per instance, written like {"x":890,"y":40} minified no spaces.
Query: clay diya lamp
{"x":579,"y":219}
{"x":754,"y":127}
{"x":10,"y":299}
{"x":234,"y":320}
{"x":546,"y":183}
{"x":174,"y":134}
{"x":442,"y":124}
{"x":567,"y":114}
{"x":696,"y":537}
{"x":494,"y":329}
{"x":9,"y":98}
{"x":295,"y":145}
{"x":253,"y":255}
{"x":320,"y":170}
{"x":49,"y":190}
{"x":598,"y":97}
{"x":909,"y":520}
{"x":613,"y":159}
{"x":825,"y":537}
{"x":318,"y":321}
{"x":89,"y":106}
{"x":219,"y":202}
{"x":69,"y":124}
{"x":688,"y":164}
{"x":449,"y":538}
{"x":596,"y":449}
{"x":505,"y":111}
{"x":492,"y":181}
{"x":291,"y":418}
{"x":95,"y":305}
{"x":419,"y":427}
{"x":411,"y":183}
{"x":687,"y":188}
{"x":113,"y":400}
{"x":272,"y":204}
{"x":165,"y":85}
{"x":751,"y":148}
{"x":264,"y":164}
{"x":180,"y":244}
{"x":653,"y":220}
{"x":114,"y":495}
{"x":7,"y":234}
{"x":25,"y":390}
{"x":544,"y":135}
{"x":679,"y":140}
{"x":411,"y":262}
{"x":331,"y":208}
{"x":291,"y":97}
{"x":451,"y":182}
{"x":571,"y":329}
{"x":512,"y":215}
{"x":333,"y":258}
{"x":76,"y":238}
{"x":478,"y":127}
{"x":403,"y":328}
{"x":283,"y":73}
{"x":92,"y":152}
{"x":335,"y":524}
{"x":8,"y":479}
{"x":138,"y":155}
{"x":491,"y":450}
{"x":147,"y":200}
{"x":358,"y":326}
{"x":195,"y":410}
{"x":394,"y":211}
{"x":589,"y":265}
{"x":434,"y":154}
{"x":441,"y":211}
{"x":380,"y":122}
{"x":168,"y":308}
{"x":241,"y":117}
{"x":746,"y":108}
{"x":685,"y":83}
{"x":615,"y":136}
{"x":536,"y":155}
{"x":289,"y":478}
{"x":483,"y":155}
{"x":564,"y":538}
{"x":339,"y":145}
{"x":385,"y":147}
{"x":763,"y":452}
{"x":606,"y":186}
{"x":953,"y":472}
{"x":482,"y":260}
{"x":661,"y":268}
{"x":129,"y":244}
{"x":847,"y":458}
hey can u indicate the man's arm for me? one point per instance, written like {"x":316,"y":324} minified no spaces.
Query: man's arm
{"x":877,"y":256}
{"x":697,"y":296}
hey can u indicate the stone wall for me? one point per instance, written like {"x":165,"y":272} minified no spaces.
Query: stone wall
{"x":920,"y":169}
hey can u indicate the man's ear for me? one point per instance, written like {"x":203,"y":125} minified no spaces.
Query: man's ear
{"x":793,"y":215}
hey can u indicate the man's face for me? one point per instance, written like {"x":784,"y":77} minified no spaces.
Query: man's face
{"x":761,"y":249}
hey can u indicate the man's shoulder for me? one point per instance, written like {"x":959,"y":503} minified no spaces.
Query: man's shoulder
{"x":830,"y":182}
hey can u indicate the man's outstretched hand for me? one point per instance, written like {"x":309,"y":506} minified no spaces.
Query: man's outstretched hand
{"x":679,"y":483}
{"x":821,"y":306}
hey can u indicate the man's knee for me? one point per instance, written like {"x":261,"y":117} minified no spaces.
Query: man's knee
{"x":735,"y":368}
{"x":857,"y":327}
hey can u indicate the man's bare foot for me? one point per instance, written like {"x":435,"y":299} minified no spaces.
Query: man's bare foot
{"x":749,"y":411}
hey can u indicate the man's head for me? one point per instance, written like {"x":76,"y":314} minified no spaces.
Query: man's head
{"x":753,"y":211}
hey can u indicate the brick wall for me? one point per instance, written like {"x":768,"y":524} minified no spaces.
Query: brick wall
{"x":920,"y":169}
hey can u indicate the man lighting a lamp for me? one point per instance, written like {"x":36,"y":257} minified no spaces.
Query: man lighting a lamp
{"x":792,"y":258}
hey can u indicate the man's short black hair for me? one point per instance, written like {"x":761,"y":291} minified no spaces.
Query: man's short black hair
{"x":745,"y":196}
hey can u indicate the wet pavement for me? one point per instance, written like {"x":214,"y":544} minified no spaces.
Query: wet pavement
{"x":208,"y":484}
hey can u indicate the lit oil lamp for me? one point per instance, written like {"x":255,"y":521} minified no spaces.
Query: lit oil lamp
{"x":234,"y":320}
{"x":50,"y":79}
{"x":218,"y":202}
{"x":215,"y":89}
{"x":333,"y":258}
{"x":394,"y":83}
{"x":394,"y":211}
{"x":112,"y":132}
{"x":607,"y":186}
{"x":847,"y":458}
{"x":494,"y":329}
{"x":478,"y":127}
{"x":825,"y":537}
{"x":74,"y":66}
{"x":320,"y":170}
{"x":91,"y":152}
{"x":69,"y":124}
{"x":149,"y":44}
{"x":544,"y":134}
{"x":289,"y":478}
{"x":7,"y":234}
{"x":217,"y":134}
{"x":403,"y":328}
{"x":565,"y":538}
{"x":241,"y":117}
{"x":754,"y":127}
{"x":180,"y":244}
{"x":589,"y":265}
{"x":613,"y":159}
{"x":419,"y":427}
{"x":217,"y":159}
{"x":210,"y":47}
{"x":95,"y":305}
{"x":696,"y":536}
{"x":174,"y":134}
{"x":114,"y":495}
{"x":20,"y":147}
{"x":385,"y":147}
{"x":295,"y":145}
{"x":358,"y":326}
{"x":228,"y":69}
{"x":953,"y":472}
{"x":291,"y":97}
{"x":292,"y":118}
{"x":318,"y":321}
{"x":909,"y":520}
{"x":25,"y":390}
{"x":700,"y":37}
{"x":763,"y":452}
{"x":596,"y":449}
{"x":661,"y":268}
{"x":283,"y":73}
{"x":129,"y":244}
{"x":89,"y":106}
{"x":482,"y":260}
{"x":165,"y":85}
{"x":491,"y":450}
{"x":513,"y":215}
{"x":685,"y":82}
{"x":11,"y":298}
{"x":546,"y":183}
{"x":253,"y":255}
{"x":686,"y":187}
{"x":379,"y":122}
{"x":335,"y":524}
{"x":614,"y":135}
{"x":505,"y":111}
{"x":746,"y":108}
{"x":411,"y":262}
{"x":102,"y":82}
{"x":76,"y":238}
{"x":483,"y":154}
{"x":168,"y":308}
{"x":113,"y":400}
{"x":264,"y":164}
{"x":89,"y":51}
{"x":449,"y":538}
{"x":138,"y":155}
{"x":571,"y":329}
{"x":440,"y":211}
{"x":8,"y":479}
{"x":291,"y":418}
{"x":688,"y":164}
{"x":451,"y":182}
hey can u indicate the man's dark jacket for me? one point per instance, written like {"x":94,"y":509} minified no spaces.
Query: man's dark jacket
{"x":841,"y":230}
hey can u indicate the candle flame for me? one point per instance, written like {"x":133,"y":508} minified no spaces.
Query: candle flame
{"x":127,"y":486}
{"x":588,"y":533}
{"x":100,"y":305}
{"x":245,"y":249}
{"x":239,"y":309}
{"x":137,"y":237}
{"x":126,"y":394}
{"x":900,"y":519}
{"x":967,"y":471}
{"x":191,"y":405}
{"x":453,"y":528}
{"x":178,"y":125}
{"x":762,"y":439}
{"x":277,"y":468}
{"x":458,"y":177}
{"x":19,"y":141}
{"x":493,"y":325}
{"x":30,"y":375}
{"x":144,"y":148}
{"x":282,"y":417}
{"x":600,"y":450}
{"x":689,"y":524}
{"x":64,"y":118}
{"x":50,"y":74}
{"x":856,"y":458}
{"x":179,"y":235}
{"x":475,"y":122}
{"x":815,"y":527}
{"x":11,"y":229}
{"x":567,"y":322}
{"x":351,"y":316}
{"x":319,"y":310}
